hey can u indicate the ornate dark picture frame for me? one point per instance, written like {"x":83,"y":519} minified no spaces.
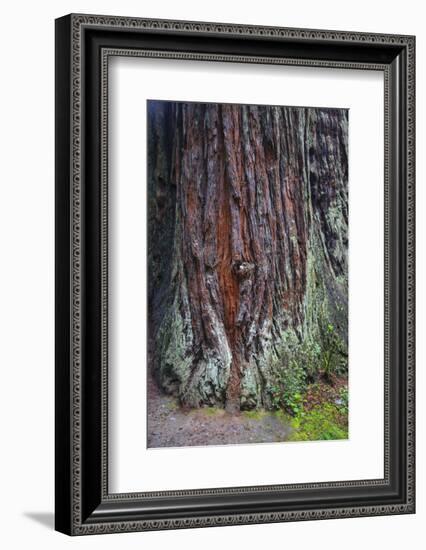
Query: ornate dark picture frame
{"x":84,"y":44}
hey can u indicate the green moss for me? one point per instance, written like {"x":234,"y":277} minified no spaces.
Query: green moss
{"x":250,"y":387}
{"x":283,"y":416}
{"x":172,"y":405}
{"x":322,"y":422}
{"x":255,"y":414}
{"x":211,"y":411}
{"x":174,"y":340}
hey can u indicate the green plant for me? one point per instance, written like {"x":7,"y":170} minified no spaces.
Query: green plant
{"x":309,"y":355}
{"x":299,"y":362}
{"x":288,"y":387}
{"x":256,"y":414}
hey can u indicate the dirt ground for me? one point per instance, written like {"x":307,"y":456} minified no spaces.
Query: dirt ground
{"x":171,"y":426}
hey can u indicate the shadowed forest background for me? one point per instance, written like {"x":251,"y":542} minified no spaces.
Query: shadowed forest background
{"x":248,"y":273}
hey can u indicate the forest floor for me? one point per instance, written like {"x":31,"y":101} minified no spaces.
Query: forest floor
{"x":169,"y":425}
{"x":320,"y":414}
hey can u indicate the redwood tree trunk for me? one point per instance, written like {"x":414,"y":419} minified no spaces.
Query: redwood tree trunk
{"x":248,"y":225}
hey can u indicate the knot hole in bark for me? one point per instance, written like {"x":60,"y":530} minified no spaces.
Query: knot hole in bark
{"x":243,"y":270}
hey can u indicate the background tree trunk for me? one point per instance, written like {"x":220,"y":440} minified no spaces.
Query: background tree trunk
{"x":248,"y":225}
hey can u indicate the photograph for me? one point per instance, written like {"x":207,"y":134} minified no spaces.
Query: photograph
{"x":248,"y":217}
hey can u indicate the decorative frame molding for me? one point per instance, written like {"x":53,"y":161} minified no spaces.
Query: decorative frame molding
{"x":83,"y":47}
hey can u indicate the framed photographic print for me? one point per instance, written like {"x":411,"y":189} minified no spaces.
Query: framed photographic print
{"x":234,"y":274}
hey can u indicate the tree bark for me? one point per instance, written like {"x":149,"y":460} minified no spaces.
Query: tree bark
{"x":248,"y":237}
